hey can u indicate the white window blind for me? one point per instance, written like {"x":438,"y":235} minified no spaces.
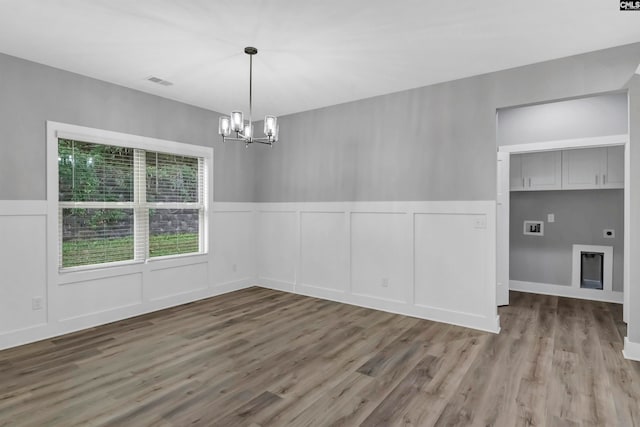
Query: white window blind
{"x":174,"y":193}
{"x":123,"y":204}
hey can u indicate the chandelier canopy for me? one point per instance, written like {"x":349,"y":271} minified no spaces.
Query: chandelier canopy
{"x":244,"y":130}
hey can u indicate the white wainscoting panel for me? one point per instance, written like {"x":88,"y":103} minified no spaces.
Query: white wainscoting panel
{"x":233,"y":246}
{"x":167,"y":282}
{"x":451,"y":262}
{"x":96,"y":296}
{"x":365,"y":253}
{"x":324,"y":251}
{"x":277,"y":246}
{"x":86,"y":298}
{"x":433,"y":260}
{"x":23,"y":263}
{"x":381,"y":256}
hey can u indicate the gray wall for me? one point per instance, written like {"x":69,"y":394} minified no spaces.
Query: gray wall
{"x":432,"y":143}
{"x":31,"y":94}
{"x":576,"y":118}
{"x":580,"y":218}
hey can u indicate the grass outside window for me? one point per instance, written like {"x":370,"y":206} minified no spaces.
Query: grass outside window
{"x":79,"y":252}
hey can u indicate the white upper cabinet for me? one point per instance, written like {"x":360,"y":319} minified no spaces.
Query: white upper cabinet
{"x":536,"y":171}
{"x":516,"y":180}
{"x":614,"y":175}
{"x":582,"y":168}
{"x":542,"y":171}
{"x":589,"y":168}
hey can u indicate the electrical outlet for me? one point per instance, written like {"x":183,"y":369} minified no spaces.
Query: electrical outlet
{"x":551,"y":218}
{"x":37,"y":303}
{"x":234,"y":268}
{"x":385,"y":282}
{"x":480,"y":222}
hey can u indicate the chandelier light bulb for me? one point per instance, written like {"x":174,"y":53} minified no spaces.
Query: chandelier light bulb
{"x":237,"y":121}
{"x":248,"y":131}
{"x":224,"y":126}
{"x":270,"y":123}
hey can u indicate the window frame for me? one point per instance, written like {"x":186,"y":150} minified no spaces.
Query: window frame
{"x":140,"y":206}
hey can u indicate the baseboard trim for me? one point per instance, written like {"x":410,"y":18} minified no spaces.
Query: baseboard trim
{"x":277,"y":285}
{"x":566,"y":291}
{"x":54,"y":329}
{"x":631,"y":350}
{"x":457,"y":318}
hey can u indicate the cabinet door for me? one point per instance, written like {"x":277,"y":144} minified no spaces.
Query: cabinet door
{"x":542,"y":171}
{"x":613,"y":175}
{"x":516,"y":181}
{"x":582,"y":168}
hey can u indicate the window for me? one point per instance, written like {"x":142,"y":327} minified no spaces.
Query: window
{"x":118,"y":203}
{"x":173,"y":194}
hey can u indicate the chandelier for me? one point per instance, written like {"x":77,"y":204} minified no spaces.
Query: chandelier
{"x":244,"y":130}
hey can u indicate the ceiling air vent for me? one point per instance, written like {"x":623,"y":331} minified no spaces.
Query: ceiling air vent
{"x":159,"y":81}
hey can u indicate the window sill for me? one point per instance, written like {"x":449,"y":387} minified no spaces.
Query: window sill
{"x":178,"y":256}
{"x":97,"y":267}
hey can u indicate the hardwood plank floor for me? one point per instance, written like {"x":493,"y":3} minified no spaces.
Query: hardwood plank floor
{"x":259,"y":357}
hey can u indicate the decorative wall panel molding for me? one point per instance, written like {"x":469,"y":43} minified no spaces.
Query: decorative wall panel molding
{"x":82,"y":299}
{"x":433,"y":260}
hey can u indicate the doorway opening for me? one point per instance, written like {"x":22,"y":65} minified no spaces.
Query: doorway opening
{"x":537,"y":184}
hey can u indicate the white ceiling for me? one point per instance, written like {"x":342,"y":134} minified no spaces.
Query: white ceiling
{"x":312,"y":53}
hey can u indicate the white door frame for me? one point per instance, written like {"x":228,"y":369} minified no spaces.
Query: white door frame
{"x":502,"y":229}
{"x":602,"y":141}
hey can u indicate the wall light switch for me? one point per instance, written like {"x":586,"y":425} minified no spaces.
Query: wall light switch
{"x":609,"y":233}
{"x":551,"y":218}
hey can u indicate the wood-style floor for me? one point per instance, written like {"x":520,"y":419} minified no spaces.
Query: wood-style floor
{"x":259,"y":357}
